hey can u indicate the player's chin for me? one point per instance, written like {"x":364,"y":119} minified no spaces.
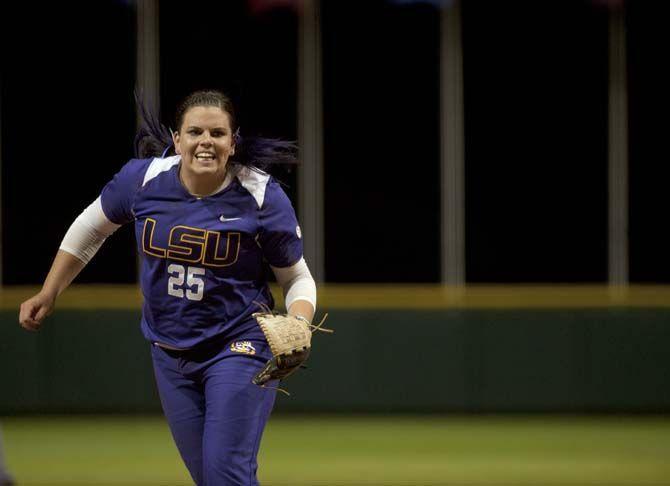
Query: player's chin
{"x":205,"y":166}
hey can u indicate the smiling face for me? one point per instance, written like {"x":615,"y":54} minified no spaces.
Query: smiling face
{"x":205,"y":142}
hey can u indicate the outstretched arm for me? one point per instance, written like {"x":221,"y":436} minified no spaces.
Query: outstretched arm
{"x":81,"y":242}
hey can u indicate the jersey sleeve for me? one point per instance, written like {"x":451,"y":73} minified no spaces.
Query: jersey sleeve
{"x":118,"y":195}
{"x":280,"y":236}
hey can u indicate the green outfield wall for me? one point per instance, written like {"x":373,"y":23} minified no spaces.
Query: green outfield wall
{"x":613,"y":359}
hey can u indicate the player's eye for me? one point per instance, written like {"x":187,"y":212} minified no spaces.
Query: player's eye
{"x":193,"y":131}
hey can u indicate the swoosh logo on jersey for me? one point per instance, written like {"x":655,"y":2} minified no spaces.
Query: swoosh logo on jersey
{"x":223,"y":219}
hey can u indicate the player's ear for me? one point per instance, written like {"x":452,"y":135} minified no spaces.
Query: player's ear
{"x":175,"y":141}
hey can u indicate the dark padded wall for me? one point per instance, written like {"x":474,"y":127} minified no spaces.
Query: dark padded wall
{"x":378,"y":360}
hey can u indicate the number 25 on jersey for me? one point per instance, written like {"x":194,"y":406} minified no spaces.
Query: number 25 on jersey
{"x":195,"y":286}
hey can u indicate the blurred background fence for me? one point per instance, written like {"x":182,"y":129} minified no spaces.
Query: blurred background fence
{"x":446,"y":146}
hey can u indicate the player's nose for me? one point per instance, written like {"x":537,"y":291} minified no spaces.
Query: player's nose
{"x":206,"y":139}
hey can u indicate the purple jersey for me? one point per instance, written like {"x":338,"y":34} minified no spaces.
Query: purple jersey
{"x":203,"y":258}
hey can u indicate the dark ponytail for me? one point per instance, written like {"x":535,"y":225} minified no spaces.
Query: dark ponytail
{"x":262,"y":152}
{"x":153,"y":139}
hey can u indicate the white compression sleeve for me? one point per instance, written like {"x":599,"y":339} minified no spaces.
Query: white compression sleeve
{"x":88,"y":232}
{"x":297,"y":283}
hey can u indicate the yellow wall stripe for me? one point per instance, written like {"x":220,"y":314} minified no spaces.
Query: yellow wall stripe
{"x":370,"y":296}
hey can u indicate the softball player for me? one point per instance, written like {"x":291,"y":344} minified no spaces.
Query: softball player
{"x":206,"y":220}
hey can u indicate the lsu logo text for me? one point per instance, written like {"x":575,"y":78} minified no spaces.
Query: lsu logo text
{"x":193,"y":245}
{"x":244,"y":347}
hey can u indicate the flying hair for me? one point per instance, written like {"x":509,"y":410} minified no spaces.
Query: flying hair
{"x":153,"y":139}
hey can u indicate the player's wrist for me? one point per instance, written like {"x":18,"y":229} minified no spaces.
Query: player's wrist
{"x":302,"y":318}
{"x":49,"y":294}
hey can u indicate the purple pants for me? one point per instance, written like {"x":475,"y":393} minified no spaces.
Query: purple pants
{"x":215,"y":413}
